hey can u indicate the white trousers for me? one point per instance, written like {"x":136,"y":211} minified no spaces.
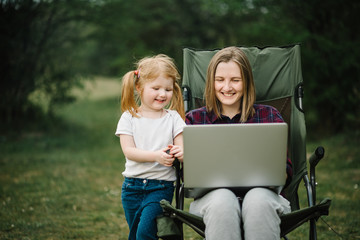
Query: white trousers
{"x":259,"y":212}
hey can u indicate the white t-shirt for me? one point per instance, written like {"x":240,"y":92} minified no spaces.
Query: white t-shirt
{"x":151,"y":135}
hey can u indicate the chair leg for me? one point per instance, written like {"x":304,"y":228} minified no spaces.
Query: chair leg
{"x":313,"y":233}
{"x":314,"y":160}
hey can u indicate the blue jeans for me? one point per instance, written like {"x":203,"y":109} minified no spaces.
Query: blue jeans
{"x":141,"y":202}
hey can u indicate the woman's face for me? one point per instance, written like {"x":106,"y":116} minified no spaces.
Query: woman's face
{"x":229,"y":85}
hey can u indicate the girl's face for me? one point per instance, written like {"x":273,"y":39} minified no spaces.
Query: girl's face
{"x":229,"y":85}
{"x":156,"y":94}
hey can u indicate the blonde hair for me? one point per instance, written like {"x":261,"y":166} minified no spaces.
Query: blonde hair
{"x":236,"y":55}
{"x":147,"y":70}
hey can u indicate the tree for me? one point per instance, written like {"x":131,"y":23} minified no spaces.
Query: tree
{"x":38,"y":53}
{"x":331,"y":59}
{"x":45,"y":44}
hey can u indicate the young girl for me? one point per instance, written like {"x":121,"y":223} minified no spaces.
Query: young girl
{"x":147,"y":131}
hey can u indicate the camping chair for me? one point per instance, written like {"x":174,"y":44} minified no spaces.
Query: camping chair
{"x":278,"y":81}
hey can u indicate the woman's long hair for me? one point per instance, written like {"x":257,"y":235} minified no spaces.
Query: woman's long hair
{"x":236,"y":55}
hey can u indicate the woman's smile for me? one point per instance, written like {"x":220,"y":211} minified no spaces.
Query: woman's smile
{"x":229,"y":85}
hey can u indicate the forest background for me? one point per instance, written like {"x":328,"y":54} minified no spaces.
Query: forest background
{"x":48,"y":47}
{"x":61,"y":63}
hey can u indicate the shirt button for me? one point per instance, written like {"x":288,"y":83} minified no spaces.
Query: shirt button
{"x":144,"y":181}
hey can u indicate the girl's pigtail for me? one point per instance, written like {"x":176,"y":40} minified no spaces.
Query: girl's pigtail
{"x":128,"y":102}
{"x":177,"y":101}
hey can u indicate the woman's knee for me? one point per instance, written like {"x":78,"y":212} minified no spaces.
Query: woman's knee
{"x":260,"y":200}
{"x":223,"y":198}
{"x":222,"y":203}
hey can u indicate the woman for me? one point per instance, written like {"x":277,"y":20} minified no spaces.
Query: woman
{"x":230,"y":98}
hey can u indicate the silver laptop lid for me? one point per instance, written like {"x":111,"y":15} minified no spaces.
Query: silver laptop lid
{"x":234,"y":156}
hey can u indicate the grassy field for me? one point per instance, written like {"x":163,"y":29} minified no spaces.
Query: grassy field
{"x":64,"y":181}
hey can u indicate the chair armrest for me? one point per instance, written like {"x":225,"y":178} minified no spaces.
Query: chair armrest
{"x":295,"y":219}
{"x":317,"y":155}
{"x":193,"y":221}
{"x":314,"y":160}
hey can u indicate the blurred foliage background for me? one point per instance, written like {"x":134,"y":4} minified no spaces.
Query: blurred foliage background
{"x":48,"y":47}
{"x":59,"y":169}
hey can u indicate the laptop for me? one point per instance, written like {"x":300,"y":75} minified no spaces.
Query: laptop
{"x":234,"y":156}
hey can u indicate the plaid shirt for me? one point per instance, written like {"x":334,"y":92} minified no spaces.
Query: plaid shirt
{"x":263,"y":114}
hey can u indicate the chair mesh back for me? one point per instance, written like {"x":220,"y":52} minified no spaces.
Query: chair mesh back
{"x":277,"y":73}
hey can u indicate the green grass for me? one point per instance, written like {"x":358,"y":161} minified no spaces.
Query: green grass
{"x":65,"y":182}
{"x":338,"y":177}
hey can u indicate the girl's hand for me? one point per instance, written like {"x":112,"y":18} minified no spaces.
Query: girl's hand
{"x":177,"y":152}
{"x":164,"y":158}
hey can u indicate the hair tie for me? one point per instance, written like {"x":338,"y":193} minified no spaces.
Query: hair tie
{"x":137,"y":74}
